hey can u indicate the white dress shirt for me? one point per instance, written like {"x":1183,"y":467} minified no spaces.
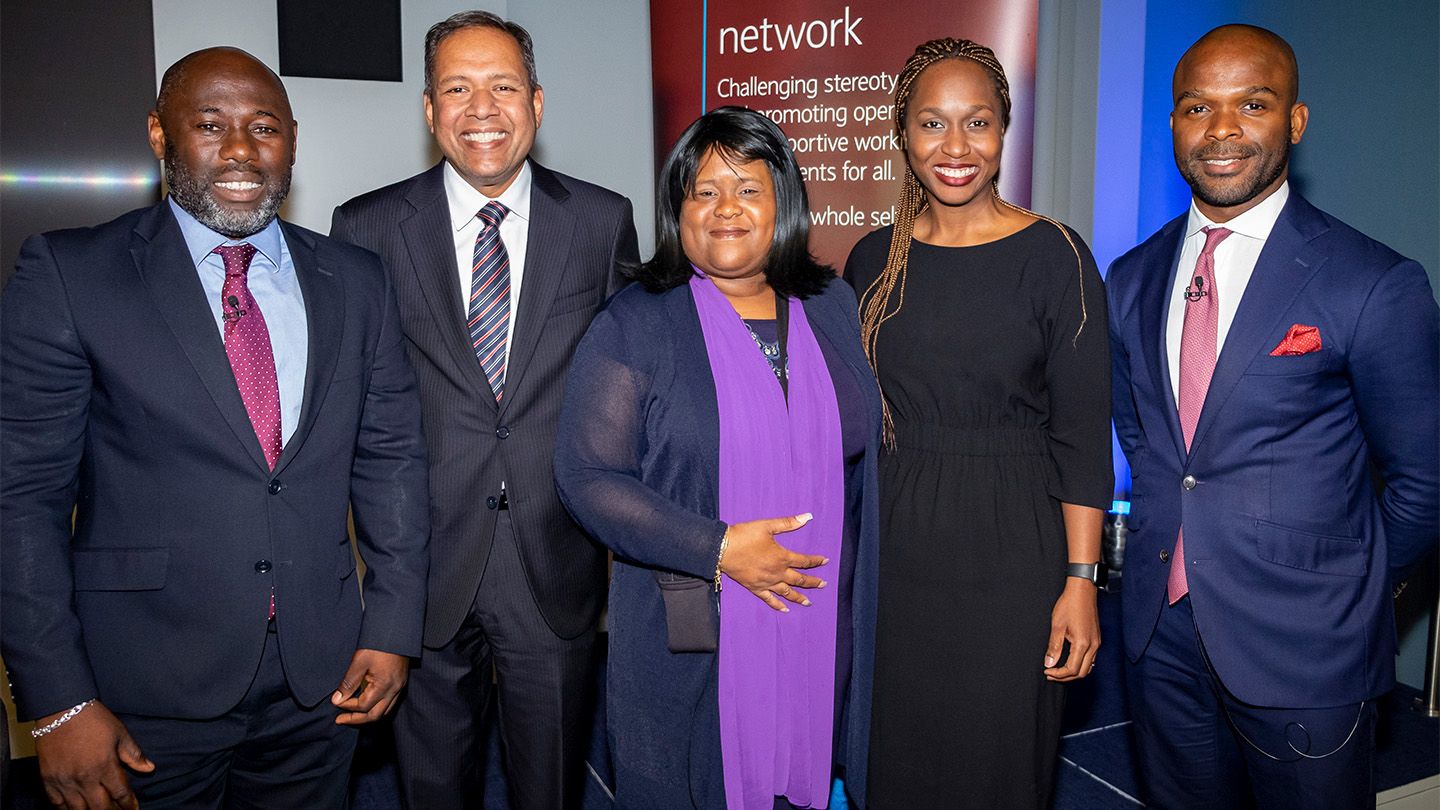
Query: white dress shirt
{"x":1234,"y":264}
{"x":465,"y":204}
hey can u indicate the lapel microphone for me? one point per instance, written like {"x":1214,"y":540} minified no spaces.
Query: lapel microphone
{"x":235,"y":313}
{"x":1196,"y":291}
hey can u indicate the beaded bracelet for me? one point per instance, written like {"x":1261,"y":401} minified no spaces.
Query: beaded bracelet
{"x":70,"y":713}
{"x":724,"y":541}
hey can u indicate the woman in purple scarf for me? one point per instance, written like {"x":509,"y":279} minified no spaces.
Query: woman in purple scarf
{"x":719,"y":435}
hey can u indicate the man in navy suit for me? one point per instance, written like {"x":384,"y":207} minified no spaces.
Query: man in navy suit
{"x":1275,"y":378}
{"x":209,"y":391}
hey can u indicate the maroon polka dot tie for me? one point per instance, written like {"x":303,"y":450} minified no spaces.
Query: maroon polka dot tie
{"x":247,"y":344}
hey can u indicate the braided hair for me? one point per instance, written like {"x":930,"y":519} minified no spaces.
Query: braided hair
{"x":876,"y":302}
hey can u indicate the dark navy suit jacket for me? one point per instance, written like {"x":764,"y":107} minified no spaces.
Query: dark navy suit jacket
{"x":119,"y":405}
{"x":582,"y":237}
{"x":1290,"y":547}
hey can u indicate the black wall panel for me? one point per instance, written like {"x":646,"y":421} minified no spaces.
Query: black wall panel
{"x":357,"y":39}
{"x":76,"y":82}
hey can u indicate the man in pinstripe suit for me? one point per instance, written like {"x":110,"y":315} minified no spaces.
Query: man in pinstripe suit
{"x":493,"y":304}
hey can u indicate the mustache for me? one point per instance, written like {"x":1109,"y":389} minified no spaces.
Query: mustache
{"x":248,"y":167}
{"x":1223,"y":151}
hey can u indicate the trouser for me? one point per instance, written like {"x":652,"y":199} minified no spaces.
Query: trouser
{"x":545,"y":697}
{"x":267,"y":752}
{"x":1199,"y":746}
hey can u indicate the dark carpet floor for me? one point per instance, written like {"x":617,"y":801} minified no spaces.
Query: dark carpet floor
{"x":1096,"y":769}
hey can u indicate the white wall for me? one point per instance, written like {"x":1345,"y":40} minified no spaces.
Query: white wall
{"x":594,"y":63}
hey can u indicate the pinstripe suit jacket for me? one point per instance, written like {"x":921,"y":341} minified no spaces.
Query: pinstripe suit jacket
{"x":581,"y":238}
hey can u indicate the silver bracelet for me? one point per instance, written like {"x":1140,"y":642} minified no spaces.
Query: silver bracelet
{"x":69,"y":714}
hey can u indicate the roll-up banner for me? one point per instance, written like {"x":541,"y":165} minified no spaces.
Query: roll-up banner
{"x":825,"y":72}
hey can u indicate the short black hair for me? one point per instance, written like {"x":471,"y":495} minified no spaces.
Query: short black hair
{"x":478,"y":19}
{"x":741,"y":135}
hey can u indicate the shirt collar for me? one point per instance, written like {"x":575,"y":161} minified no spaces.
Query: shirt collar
{"x":465,"y":201}
{"x":201,"y":241}
{"x":1255,"y":223}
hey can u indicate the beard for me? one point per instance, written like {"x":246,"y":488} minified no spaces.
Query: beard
{"x":1229,"y":192}
{"x":192,"y":192}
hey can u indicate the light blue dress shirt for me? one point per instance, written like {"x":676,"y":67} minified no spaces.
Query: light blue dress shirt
{"x":276,"y":289}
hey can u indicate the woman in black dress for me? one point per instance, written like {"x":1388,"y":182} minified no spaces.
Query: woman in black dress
{"x":986,"y":326}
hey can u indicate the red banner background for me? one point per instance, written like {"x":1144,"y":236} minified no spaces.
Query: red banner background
{"x":824,"y":71}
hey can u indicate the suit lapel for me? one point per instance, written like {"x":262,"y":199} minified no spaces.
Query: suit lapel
{"x":324,"y":325}
{"x":430,"y":243}
{"x":547,"y":249}
{"x":1154,"y":307}
{"x":164,"y":264}
{"x":1285,"y":266}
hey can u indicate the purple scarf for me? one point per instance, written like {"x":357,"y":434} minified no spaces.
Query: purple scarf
{"x":777,"y":670}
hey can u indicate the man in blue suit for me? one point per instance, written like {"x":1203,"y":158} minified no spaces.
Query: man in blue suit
{"x":1275,"y":378}
{"x":209,"y":391}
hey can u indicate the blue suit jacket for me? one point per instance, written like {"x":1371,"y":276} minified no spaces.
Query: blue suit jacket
{"x":1289,"y":545}
{"x":120,"y":406}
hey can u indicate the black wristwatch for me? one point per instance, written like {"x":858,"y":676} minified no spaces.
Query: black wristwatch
{"x":1095,"y":572}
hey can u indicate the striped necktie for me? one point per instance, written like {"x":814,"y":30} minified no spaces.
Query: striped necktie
{"x":489,"y":311}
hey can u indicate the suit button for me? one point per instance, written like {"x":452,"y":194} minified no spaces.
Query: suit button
{"x":275,"y":487}
{"x":1188,"y":482}
{"x":262,"y":567}
{"x":502,"y":432}
{"x":1164,"y":555}
{"x":492,"y":502}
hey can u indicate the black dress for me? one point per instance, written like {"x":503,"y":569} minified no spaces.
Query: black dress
{"x":1002,"y":412}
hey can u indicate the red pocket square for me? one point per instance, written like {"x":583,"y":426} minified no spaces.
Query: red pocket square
{"x":1301,"y":339}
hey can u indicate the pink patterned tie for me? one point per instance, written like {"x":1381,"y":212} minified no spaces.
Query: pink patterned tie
{"x":1197,"y":363}
{"x":247,"y":344}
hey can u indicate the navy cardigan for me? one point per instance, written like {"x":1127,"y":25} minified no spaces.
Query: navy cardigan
{"x":637,"y":464}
